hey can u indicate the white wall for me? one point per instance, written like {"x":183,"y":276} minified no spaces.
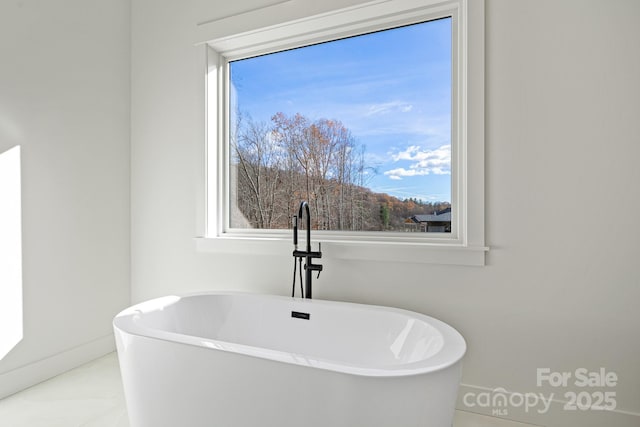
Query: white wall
{"x":64,"y":98}
{"x":561,"y":286}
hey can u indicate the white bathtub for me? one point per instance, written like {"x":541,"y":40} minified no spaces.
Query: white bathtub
{"x":246,"y":360}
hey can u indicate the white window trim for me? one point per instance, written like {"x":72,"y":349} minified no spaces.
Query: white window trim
{"x":465,"y":246}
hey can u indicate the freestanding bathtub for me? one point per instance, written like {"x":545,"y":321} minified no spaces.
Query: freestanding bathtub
{"x":247,"y":360}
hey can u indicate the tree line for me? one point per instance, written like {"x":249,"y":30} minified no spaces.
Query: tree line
{"x":277,"y":164}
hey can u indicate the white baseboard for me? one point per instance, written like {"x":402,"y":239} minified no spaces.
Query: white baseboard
{"x":26,"y":376}
{"x":556,"y":415}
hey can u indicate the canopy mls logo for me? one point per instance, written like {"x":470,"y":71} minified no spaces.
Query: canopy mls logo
{"x":499,"y":400}
{"x":585,"y":399}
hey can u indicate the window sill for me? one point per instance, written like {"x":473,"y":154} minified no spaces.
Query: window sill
{"x":405,"y":252}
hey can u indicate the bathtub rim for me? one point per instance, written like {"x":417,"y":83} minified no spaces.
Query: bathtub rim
{"x":452,"y":353}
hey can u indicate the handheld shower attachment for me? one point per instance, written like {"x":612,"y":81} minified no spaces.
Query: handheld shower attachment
{"x":294,"y":220}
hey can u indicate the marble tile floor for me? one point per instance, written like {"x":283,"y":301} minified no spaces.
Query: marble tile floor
{"x":91,"y":396}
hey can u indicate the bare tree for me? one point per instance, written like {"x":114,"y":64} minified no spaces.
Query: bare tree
{"x":260,"y":163}
{"x":292,"y":158}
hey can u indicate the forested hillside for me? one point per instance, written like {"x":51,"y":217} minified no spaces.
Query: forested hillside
{"x":275,"y":165}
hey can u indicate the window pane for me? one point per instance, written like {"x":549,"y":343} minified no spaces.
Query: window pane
{"x":360,"y":127}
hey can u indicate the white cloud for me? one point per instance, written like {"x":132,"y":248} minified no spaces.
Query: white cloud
{"x":424,"y":162}
{"x":388,"y":107}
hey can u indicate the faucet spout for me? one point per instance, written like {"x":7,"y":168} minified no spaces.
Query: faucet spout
{"x":308,"y":254}
{"x":304,"y":205}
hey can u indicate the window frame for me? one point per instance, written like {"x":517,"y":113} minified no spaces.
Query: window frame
{"x":465,"y":244}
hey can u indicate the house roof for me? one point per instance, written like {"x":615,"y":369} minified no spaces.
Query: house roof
{"x":442,"y":216}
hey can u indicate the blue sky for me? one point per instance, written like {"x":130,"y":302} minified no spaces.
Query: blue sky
{"x":391,"y":89}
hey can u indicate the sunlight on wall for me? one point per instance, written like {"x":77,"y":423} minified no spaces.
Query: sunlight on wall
{"x":10,"y":251}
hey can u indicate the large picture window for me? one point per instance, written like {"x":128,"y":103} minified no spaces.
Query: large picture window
{"x":374,"y":114}
{"x":360,"y":127}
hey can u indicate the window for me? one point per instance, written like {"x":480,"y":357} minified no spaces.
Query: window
{"x":364,"y":112}
{"x":360,"y":127}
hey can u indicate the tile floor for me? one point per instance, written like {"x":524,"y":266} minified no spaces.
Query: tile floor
{"x":91,"y":396}
{"x":88,"y":396}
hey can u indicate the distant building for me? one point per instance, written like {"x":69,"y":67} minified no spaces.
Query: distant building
{"x":438,"y":222}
